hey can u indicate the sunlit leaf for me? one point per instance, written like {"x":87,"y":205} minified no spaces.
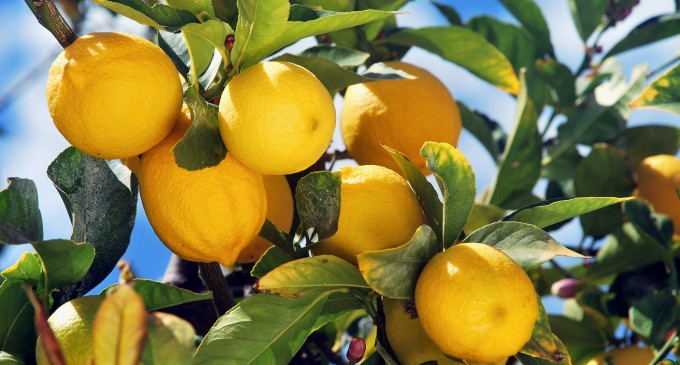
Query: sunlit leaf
{"x":587,"y":15}
{"x":159,"y":16}
{"x":157,"y":295}
{"x":194,"y":6}
{"x":170,"y":340}
{"x":663,"y":93}
{"x":17,"y":333}
{"x":654,"y":316}
{"x":547,"y":213}
{"x":530,"y":16}
{"x":449,"y":12}
{"x":483,"y":214}
{"x":345,"y":57}
{"x":202,"y":40}
{"x":64,"y":262}
{"x":8,"y":359}
{"x":27,"y":269}
{"x":542,"y":343}
{"x":46,"y":338}
{"x":271,"y":259}
{"x":651,"y":30}
{"x":489,"y":133}
{"x":20,"y":219}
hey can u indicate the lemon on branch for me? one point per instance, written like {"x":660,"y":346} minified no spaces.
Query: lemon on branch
{"x":658,"y":177}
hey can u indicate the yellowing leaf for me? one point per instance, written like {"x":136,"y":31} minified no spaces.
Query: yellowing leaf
{"x":663,"y":93}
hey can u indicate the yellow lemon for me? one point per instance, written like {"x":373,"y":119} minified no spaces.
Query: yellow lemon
{"x":631,"y":355}
{"x":113,"y":95}
{"x":280,"y":209}
{"x":657,"y":178}
{"x":402,"y":114}
{"x":72,"y":327}
{"x":475,"y":303}
{"x":378,"y":210}
{"x":276,"y":118}
{"x":207,"y":215}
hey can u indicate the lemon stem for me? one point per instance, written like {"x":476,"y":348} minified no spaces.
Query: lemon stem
{"x":222,"y":295}
{"x":49,"y":17}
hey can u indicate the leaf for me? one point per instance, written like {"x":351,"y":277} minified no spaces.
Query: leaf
{"x":520,"y":164}
{"x":156,"y":295}
{"x":202,"y":145}
{"x":202,"y":40}
{"x":649,"y":140}
{"x":261,"y":329}
{"x":425,"y":192}
{"x":528,"y":245}
{"x":471,"y":51}
{"x":345,"y":57}
{"x":317,"y":198}
{"x":488,"y":132}
{"x":175,"y":46}
{"x":529,"y":360}
{"x":550,"y":212}
{"x":508,"y":38}
{"x":393,"y":273}
{"x":651,"y":30}
{"x":17,"y":334}
{"x":483,"y":214}
{"x":102,"y":204}
{"x":587,"y":15}
{"x":170,"y":340}
{"x":271,"y":259}
{"x":449,"y":12}
{"x":530,"y":16}
{"x":654,"y":315}
{"x":20,"y":219}
{"x":559,"y":78}
{"x":119,"y":328}
{"x":583,"y":339}
{"x":542,"y":343}
{"x":27,"y":269}
{"x":663,"y":93}
{"x":280,"y":239}
{"x":657,"y":226}
{"x":194,"y":6}
{"x":46,"y":338}
{"x":337,"y":305}
{"x":311,"y":276}
{"x":8,"y":359}
{"x":64,"y":262}
{"x":159,"y":16}
{"x":456,"y":181}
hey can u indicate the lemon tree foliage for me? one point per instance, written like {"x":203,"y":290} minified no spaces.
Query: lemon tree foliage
{"x":423,"y":269}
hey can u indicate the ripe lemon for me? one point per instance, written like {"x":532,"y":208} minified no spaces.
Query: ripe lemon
{"x":475,"y":303}
{"x":378,"y":210}
{"x":206,"y":215}
{"x":72,"y":327}
{"x":279,"y":211}
{"x":631,"y":355}
{"x":402,"y":114}
{"x":113,"y":95}
{"x":657,"y":178}
{"x":276,"y":118}
{"x":407,"y":338}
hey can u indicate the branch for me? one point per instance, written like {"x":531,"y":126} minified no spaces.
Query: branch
{"x":49,"y":17}
{"x":222,"y":295}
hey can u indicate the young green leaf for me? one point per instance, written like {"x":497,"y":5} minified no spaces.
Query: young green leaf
{"x":393,"y":273}
{"x":202,"y":40}
{"x":649,"y":140}
{"x":457,"y":183}
{"x":170,"y":340}
{"x":528,"y":245}
{"x":587,"y":15}
{"x":156,"y":295}
{"x":64,"y":262}
{"x":345,"y":57}
{"x":488,"y":132}
{"x":27,"y":269}
{"x":542,"y":343}
{"x":472,"y":52}
{"x":529,"y":14}
{"x":261,"y":329}
{"x":274,"y":257}
{"x":425,"y":192}
{"x":317,"y":198}
{"x":663,"y":93}
{"x":311,"y":276}
{"x":449,"y":13}
{"x":17,"y":334}
{"x":102,"y":204}
{"x":202,"y":145}
{"x":159,"y":16}
{"x":20,"y":219}
{"x":550,"y":212}
{"x":651,"y":30}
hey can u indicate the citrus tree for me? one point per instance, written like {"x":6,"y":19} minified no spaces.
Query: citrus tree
{"x":226,"y":143}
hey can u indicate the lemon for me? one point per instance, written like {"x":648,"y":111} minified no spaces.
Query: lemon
{"x":402,"y":114}
{"x":72,"y":327}
{"x":207,"y":215}
{"x":631,"y":355}
{"x":378,"y":210}
{"x":657,"y":178}
{"x":475,"y":303}
{"x":276,"y":118}
{"x":408,"y":340}
{"x":280,"y":209}
{"x":113,"y":95}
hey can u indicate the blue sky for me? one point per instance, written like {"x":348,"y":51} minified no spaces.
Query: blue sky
{"x":32,"y":141}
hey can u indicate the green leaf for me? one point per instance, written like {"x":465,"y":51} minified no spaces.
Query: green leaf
{"x":559,"y":78}
{"x":159,"y":16}
{"x":64,"y":262}
{"x":472,"y":52}
{"x":393,"y":273}
{"x":425,"y":192}
{"x":194,"y":6}
{"x":488,"y":132}
{"x":449,"y":12}
{"x":345,"y":57}
{"x":483,"y":214}
{"x":561,"y":349}
{"x":8,"y":359}
{"x":456,"y":181}
{"x":311,"y":276}
{"x":657,"y":226}
{"x":542,"y":343}
{"x":317,"y":198}
{"x":654,"y":316}
{"x":101,"y":200}
{"x":530,"y":16}
{"x":157,"y":295}
{"x":20,"y":219}
{"x":202,"y":40}
{"x":663,"y":93}
{"x":175,"y":46}
{"x":271,"y":233}
{"x":583,"y":339}
{"x":17,"y":333}
{"x":649,"y":140}
{"x":651,"y":30}
{"x":603,"y":173}
{"x":171,"y":340}
{"x":528,"y":245}
{"x":202,"y":145}
{"x":508,"y":38}
{"x":520,"y":165}
{"x":337,"y":305}
{"x":271,"y":259}
{"x":261,"y":329}
{"x":587,"y":15}
{"x":550,"y":212}
{"x":27,"y":269}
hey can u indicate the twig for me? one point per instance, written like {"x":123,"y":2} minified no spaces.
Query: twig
{"x":49,"y":17}
{"x":222,"y":296}
{"x":666,"y":348}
